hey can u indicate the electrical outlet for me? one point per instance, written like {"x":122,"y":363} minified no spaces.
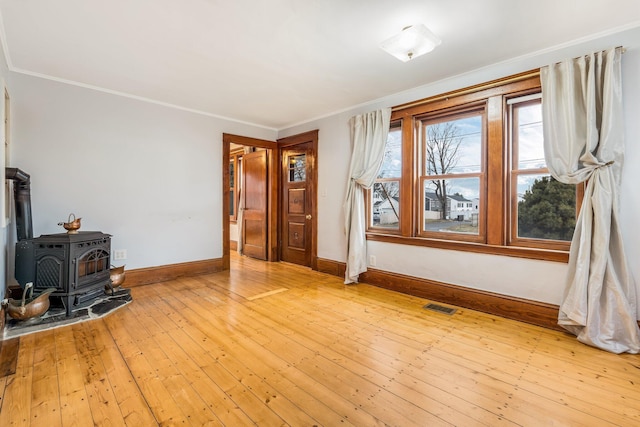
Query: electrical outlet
{"x":119,"y":254}
{"x":372,"y":260}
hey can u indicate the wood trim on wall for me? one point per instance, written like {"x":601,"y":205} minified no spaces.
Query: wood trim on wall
{"x":300,"y":138}
{"x":145,"y":276}
{"x":528,"y":311}
{"x":512,"y":251}
{"x":226,"y":177}
{"x":329,"y":266}
{"x":516,"y":78}
{"x":248,"y":141}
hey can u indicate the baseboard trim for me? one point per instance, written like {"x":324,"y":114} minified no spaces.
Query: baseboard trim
{"x":334,"y":268}
{"x":528,"y":311}
{"x":145,"y":276}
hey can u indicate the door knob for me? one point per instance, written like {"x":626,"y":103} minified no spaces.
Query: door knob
{"x":308,"y":216}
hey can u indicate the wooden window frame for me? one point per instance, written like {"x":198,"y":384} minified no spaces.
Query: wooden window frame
{"x":496,"y":205}
{"x":422,"y":176}
{"x":515,"y":172}
{"x":397,"y":124}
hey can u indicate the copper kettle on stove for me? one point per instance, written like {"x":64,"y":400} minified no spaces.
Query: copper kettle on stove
{"x":72,"y":225}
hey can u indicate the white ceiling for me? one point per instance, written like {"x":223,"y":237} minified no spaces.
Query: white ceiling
{"x":279,"y":62}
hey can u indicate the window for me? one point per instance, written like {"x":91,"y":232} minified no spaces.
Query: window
{"x":297,"y":168}
{"x":452,"y":173}
{"x":543,"y":210}
{"x":385,"y":194}
{"x":466,"y":171}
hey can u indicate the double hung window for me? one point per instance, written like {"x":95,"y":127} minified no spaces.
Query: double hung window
{"x":466,"y":171}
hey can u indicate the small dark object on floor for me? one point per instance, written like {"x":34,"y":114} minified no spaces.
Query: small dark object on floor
{"x":440,"y":308}
{"x":9,"y":356}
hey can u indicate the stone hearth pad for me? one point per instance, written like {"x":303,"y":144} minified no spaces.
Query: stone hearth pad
{"x":56,"y":315}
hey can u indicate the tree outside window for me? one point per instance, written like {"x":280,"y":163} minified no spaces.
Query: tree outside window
{"x":543,"y":208}
{"x":452,"y":172}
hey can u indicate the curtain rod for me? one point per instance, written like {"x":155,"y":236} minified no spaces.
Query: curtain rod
{"x":470,"y":89}
{"x":487,"y":85}
{"x":622,"y":50}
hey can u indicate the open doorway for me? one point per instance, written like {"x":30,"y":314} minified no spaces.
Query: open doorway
{"x":280,"y":212}
{"x":260,"y":219}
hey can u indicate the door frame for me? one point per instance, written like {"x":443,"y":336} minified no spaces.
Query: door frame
{"x":274,"y":198}
{"x":272,"y":194}
{"x":288,"y":143}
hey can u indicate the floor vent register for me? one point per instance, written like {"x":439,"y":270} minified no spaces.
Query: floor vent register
{"x":440,"y":309}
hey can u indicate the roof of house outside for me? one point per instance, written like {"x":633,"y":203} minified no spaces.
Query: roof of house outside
{"x":456,"y":197}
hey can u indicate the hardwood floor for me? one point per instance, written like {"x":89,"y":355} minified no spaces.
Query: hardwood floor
{"x":276,"y":344}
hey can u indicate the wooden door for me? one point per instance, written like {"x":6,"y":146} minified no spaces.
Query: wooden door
{"x":254,"y":194}
{"x":297,"y":191}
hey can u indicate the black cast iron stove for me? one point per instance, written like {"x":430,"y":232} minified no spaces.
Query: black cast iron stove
{"x":77,"y":265}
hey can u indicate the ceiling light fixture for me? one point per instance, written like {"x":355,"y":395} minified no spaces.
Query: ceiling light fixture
{"x":413,"y":41}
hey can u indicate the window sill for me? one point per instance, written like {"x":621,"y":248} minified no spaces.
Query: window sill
{"x":512,"y":251}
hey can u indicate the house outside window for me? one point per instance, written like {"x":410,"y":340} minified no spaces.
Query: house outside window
{"x":385,"y":194}
{"x":451,"y":170}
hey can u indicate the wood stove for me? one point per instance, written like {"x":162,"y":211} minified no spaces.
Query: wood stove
{"x":77,"y":265}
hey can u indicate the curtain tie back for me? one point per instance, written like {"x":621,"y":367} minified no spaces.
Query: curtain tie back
{"x":609,"y":163}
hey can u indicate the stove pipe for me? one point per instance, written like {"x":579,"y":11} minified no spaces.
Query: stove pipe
{"x":22,"y":197}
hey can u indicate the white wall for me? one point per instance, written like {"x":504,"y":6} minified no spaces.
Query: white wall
{"x":531,"y":279}
{"x":149,"y":175}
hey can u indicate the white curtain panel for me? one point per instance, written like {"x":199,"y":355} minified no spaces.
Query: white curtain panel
{"x":368,"y":138}
{"x":583,"y":141}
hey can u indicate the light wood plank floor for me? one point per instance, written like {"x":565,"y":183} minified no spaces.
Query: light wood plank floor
{"x":276,"y":344}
